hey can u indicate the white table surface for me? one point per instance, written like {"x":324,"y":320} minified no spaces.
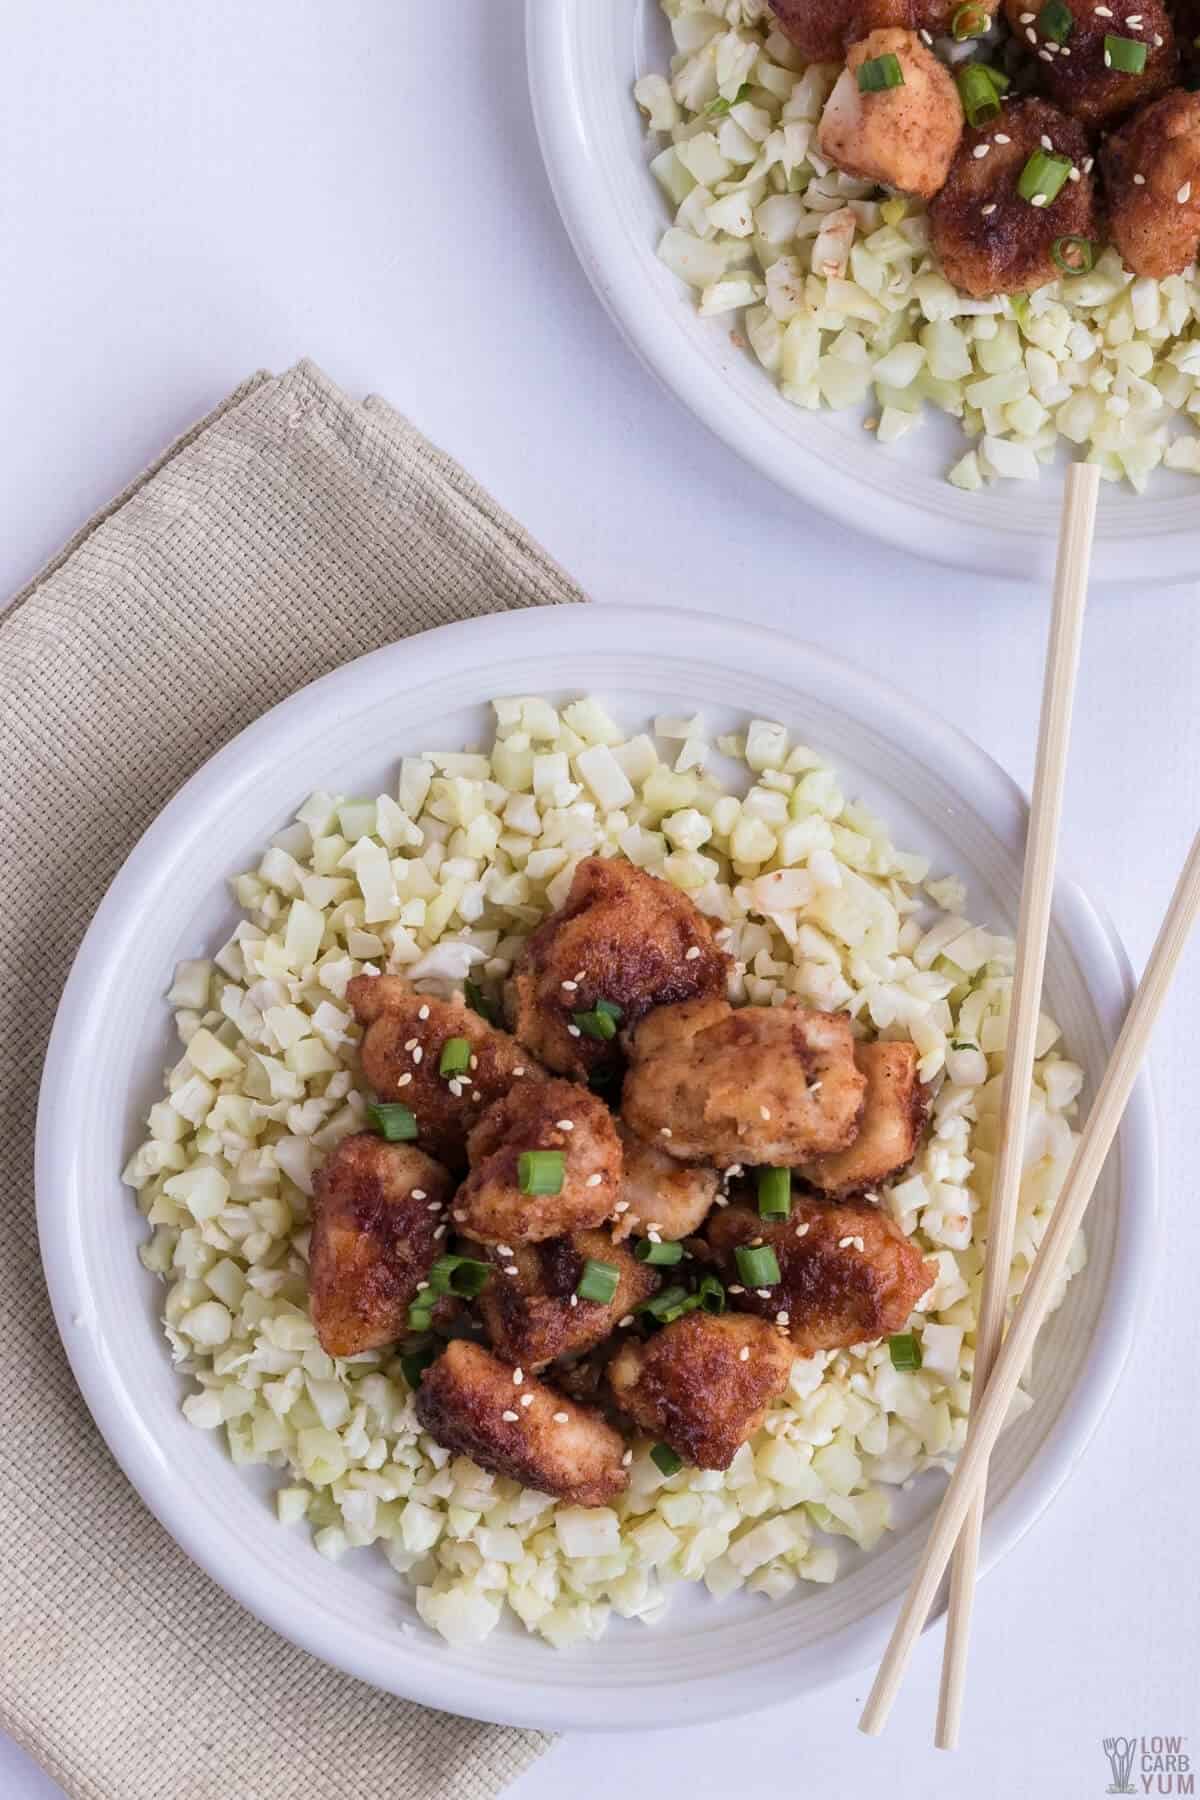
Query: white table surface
{"x":188,"y":193}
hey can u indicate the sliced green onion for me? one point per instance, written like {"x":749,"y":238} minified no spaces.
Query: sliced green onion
{"x":479,"y":1002}
{"x":977,"y":91}
{"x":541,"y":1171}
{"x":758,"y":1265}
{"x":420,"y":1312}
{"x":615,"y":1012}
{"x":905,"y":1351}
{"x":391,"y":1120}
{"x":969,"y":21}
{"x":456,"y":1057}
{"x":666,"y":1459}
{"x":414,"y":1365}
{"x":879,"y":73}
{"x":774,"y":1193}
{"x":663,"y":1255}
{"x":1125,"y":54}
{"x":1074,"y":256}
{"x":461,"y":1275}
{"x":665,"y":1303}
{"x":1055,"y":21}
{"x":711,"y":1295}
{"x":599,"y":1281}
{"x":1042,"y":177}
{"x":596,"y":1024}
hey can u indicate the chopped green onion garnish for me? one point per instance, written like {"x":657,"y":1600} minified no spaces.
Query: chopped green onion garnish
{"x":1042,"y":177}
{"x":456,"y":1057}
{"x":716,"y":109}
{"x":978,"y":93}
{"x":615,"y":1012}
{"x":661,"y":1254}
{"x":711,"y":1295}
{"x":879,"y":73}
{"x":596,"y":1024}
{"x":666,"y":1459}
{"x":665,"y":1303}
{"x":420,"y":1313}
{"x":758,"y":1265}
{"x":460,"y":1275}
{"x":599,"y":1281}
{"x":774,"y":1193}
{"x":905,"y":1351}
{"x":1125,"y":54}
{"x":414,"y":1365}
{"x":1055,"y":21}
{"x":541,"y":1171}
{"x":391,"y":1120}
{"x":1074,"y":256}
{"x":969,"y":21}
{"x":479,"y":1002}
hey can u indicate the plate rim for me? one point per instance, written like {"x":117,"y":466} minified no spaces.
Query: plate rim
{"x":431,"y":1676}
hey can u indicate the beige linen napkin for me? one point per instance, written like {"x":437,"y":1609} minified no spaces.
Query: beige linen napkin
{"x":288,"y":532}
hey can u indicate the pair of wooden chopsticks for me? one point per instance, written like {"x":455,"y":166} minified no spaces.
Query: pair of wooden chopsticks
{"x":1000,"y":1359}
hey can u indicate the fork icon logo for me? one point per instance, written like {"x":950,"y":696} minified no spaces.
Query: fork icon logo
{"x":1120,"y":1753}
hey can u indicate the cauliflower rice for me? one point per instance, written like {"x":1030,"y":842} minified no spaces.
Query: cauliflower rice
{"x":445,"y":877}
{"x":843,"y":303}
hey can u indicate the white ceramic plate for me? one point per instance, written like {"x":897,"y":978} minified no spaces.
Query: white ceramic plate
{"x":112,"y":1039}
{"x":584,"y":56}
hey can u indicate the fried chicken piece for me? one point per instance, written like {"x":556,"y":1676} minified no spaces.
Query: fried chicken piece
{"x":988,"y":238}
{"x":515,"y":1425}
{"x":660,"y":1193}
{"x":540,"y":1115}
{"x":529,"y":1316}
{"x":702,"y":1384}
{"x":821,"y":29}
{"x":1156,"y":231}
{"x":376,"y":1209}
{"x":832,"y":1292}
{"x":1083,"y":82}
{"x":401,"y":1050}
{"x":897,"y":1105}
{"x":904,"y":136}
{"x":623,"y":936}
{"x":759,"y":1084}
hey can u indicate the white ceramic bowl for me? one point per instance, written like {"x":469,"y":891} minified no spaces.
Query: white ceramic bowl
{"x":112,"y":1039}
{"x":584,"y":56}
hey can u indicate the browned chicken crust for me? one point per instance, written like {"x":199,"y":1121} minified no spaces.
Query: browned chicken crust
{"x":1156,"y":232}
{"x":1081,"y":83}
{"x":821,"y":29}
{"x":376,"y":1213}
{"x":401,"y":1023}
{"x":989,"y":239}
{"x":540,"y":1115}
{"x":833,"y":1293}
{"x":534,"y":1315}
{"x":622,"y":935}
{"x":894,"y":1115}
{"x":471,"y":1402}
{"x":660,"y":1193}
{"x":692,"y":1386}
{"x":905,"y":136}
{"x":760,"y":1084}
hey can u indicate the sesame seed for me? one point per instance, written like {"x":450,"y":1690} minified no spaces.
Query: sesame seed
{"x":755,"y":1242}
{"x":1089,"y":164}
{"x":594,"y":1180}
{"x":456,"y":1089}
{"x":510,"y":1418}
{"x":423,"y":1013}
{"x":1027,"y":18}
{"x":504,"y":1250}
{"x":1002,"y":137}
{"x":627,"y":1459}
{"x":627,"y":1320}
{"x":511,"y":1269}
{"x":1184,"y":194}
{"x":1139,"y":181}
{"x":560,"y":1418}
{"x":1031,"y":34}
{"x":570,"y":986}
{"x":987,"y":213}
{"x":803,"y":1230}
{"x":1045,"y":141}
{"x":419,"y":1194}
{"x":421,"y":1286}
{"x":1103,"y":12}
{"x":1073,"y":175}
{"x":764,"y":1112}
{"x":691,"y":954}
{"x":732,"y":1170}
{"x":664,"y":1131}
{"x":403,"y":1080}
{"x":417,"y":1054}
{"x":477,"y":1098}
{"x":474,"y":1062}
{"x":1134,"y":19}
{"x":520,"y":1069}
{"x":1158,"y":43}
{"x":654,"y":1236}
{"x":622,"y":1206}
{"x":744,"y":1353}
{"x":926,"y":36}
{"x":734,"y":1289}
{"x":845,"y":1243}
{"x":460,"y":1217}
{"x":859,"y":1244}
{"x":528,"y":1399}
{"x":411,"y":1043}
{"x":565,"y":1124}
{"x":434,"y":1206}
{"x":1063,"y":50}
{"x":1045,"y":56}
{"x":1040,"y":200}
{"x":980,"y":150}
{"x":579,"y":974}
{"x":763,"y":1293}
{"x":573,"y":1031}
{"x":781,"y":1318}
{"x":518,"y":1377}
{"x":440,"y":1232}
{"x":574,"y":1299}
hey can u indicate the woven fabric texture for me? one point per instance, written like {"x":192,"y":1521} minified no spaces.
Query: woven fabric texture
{"x":291,"y":530}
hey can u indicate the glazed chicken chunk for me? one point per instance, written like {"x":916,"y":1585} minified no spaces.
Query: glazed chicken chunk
{"x":703,"y":1384}
{"x":821,"y":29}
{"x":894,"y":1114}
{"x":762,"y":1084}
{"x":988,"y":237}
{"x":847,"y":1272}
{"x":517,"y":1426}
{"x":556,"y":1116}
{"x":1087,"y":81}
{"x":1155,"y":221}
{"x":622,"y":937}
{"x":404,"y":1037}
{"x":903,"y":135}
{"x":530,"y":1309}
{"x":376,"y":1210}
{"x":661,"y":1194}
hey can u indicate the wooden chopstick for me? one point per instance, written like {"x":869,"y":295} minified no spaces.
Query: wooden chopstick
{"x":1037,"y":1299}
{"x":1033,"y":932}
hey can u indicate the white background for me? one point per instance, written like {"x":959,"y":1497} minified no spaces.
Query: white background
{"x":188,"y":193}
